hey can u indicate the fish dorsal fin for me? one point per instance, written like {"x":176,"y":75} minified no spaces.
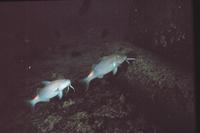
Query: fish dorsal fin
{"x":46,"y":82}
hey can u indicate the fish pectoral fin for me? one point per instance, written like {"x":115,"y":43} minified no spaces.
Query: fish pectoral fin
{"x":114,"y":64}
{"x":60,"y":94}
{"x":115,"y":71}
{"x":46,"y":82}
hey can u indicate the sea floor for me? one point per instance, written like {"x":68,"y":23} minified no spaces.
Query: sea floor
{"x":149,"y":95}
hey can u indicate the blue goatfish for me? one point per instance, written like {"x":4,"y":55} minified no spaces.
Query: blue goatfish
{"x":106,"y":64}
{"x":50,"y":90}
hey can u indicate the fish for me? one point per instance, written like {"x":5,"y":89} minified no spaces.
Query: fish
{"x":50,"y":90}
{"x":106,"y":65}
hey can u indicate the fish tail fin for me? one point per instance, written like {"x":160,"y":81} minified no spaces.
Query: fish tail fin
{"x":88,"y":79}
{"x":33,"y":102}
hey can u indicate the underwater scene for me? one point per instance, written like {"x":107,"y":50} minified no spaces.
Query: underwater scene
{"x":102,"y":66}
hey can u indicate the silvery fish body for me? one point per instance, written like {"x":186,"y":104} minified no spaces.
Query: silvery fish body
{"x":50,"y":90}
{"x":106,"y":64}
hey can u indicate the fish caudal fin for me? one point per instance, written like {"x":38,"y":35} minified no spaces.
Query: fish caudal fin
{"x":88,"y":79}
{"x":33,"y":102}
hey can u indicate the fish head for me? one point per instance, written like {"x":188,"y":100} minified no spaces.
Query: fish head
{"x":119,"y":59}
{"x":64,"y":83}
